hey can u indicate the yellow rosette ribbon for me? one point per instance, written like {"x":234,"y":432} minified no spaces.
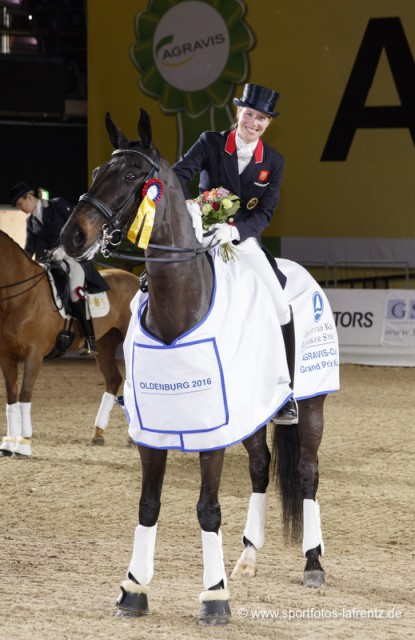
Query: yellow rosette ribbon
{"x":143,"y":221}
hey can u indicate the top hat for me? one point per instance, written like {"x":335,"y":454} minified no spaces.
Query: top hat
{"x":258,"y":98}
{"x":19,"y":190}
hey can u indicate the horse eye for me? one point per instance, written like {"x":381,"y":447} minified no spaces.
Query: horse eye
{"x":130,"y":177}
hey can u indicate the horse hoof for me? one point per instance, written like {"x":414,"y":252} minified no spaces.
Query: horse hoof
{"x":98,"y":441}
{"x":132,"y":601}
{"x":246,"y":565}
{"x":5,"y":453}
{"x":314,"y":579}
{"x":214,"y":608}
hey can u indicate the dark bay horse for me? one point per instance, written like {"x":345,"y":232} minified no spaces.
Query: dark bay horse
{"x":29,"y":325}
{"x":181,"y":286}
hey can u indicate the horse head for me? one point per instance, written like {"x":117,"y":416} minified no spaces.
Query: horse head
{"x":105,"y":213}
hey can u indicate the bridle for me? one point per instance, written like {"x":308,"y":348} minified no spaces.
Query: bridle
{"x":112,"y":234}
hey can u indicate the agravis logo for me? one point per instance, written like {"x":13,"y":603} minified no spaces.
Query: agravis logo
{"x":191,"y":63}
{"x":179,"y":54}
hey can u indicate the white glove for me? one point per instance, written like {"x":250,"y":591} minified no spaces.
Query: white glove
{"x":196,"y":216}
{"x":223,"y":233}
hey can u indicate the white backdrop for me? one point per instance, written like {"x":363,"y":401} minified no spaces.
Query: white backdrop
{"x":375,"y":326}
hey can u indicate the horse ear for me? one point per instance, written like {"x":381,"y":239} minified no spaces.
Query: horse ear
{"x":117,"y":138}
{"x":144,"y":129}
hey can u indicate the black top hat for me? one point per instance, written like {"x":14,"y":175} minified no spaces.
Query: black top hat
{"x":258,"y":98}
{"x":20,"y":190}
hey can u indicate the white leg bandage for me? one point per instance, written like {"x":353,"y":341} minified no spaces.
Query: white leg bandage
{"x":26,"y":419}
{"x":142,"y":561}
{"x":103,"y":415}
{"x":255,"y":522}
{"x":312,"y":536}
{"x":13,"y":420}
{"x":213,"y":567}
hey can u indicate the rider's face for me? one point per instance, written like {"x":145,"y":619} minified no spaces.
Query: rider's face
{"x":27,"y":203}
{"x":251,"y":124}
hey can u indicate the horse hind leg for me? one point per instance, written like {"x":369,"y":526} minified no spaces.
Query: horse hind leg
{"x":107,"y":364}
{"x":313,"y":546}
{"x":310,"y":434}
{"x":254,"y":533}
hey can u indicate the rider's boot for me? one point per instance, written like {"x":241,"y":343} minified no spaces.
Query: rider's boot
{"x":86,"y":327}
{"x":288,"y":414}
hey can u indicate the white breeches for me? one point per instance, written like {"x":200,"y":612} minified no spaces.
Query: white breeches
{"x":250,"y":252}
{"x":74,"y":269}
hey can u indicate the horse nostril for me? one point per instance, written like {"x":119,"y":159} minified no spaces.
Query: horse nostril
{"x":78,"y":238}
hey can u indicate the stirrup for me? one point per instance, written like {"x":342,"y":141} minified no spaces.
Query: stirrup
{"x":88,"y":348}
{"x":288,"y":414}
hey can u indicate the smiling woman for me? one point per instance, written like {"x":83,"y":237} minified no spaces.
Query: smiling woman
{"x":243,"y":164}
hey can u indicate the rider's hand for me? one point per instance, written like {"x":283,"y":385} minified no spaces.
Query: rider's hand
{"x":222,"y":233}
{"x":196,"y":216}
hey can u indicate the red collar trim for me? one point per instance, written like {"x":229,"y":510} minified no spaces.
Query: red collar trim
{"x":230,"y":146}
{"x":259,"y":151}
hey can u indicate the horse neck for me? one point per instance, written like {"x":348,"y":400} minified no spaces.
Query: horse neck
{"x":179,"y":292}
{"x":14,"y":262}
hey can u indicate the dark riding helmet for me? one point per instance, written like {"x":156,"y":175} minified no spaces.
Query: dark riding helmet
{"x":258,"y":98}
{"x":20,"y":189}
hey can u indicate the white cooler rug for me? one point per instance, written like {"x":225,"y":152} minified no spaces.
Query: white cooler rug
{"x":224,"y":379}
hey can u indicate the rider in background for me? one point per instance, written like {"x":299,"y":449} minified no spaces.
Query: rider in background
{"x":43,"y":226}
{"x":241,"y":162}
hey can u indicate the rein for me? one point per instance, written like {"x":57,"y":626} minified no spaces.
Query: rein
{"x":129,"y":258}
{"x":36,"y":277}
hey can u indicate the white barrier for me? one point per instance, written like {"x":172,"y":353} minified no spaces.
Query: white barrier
{"x":375,"y":326}
{"x":13,"y":222}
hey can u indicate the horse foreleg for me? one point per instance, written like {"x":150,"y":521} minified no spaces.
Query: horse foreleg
{"x":18,"y":408}
{"x":310,"y":434}
{"x":10,"y":372}
{"x":214,"y":600}
{"x":254,"y":533}
{"x":133,"y":600}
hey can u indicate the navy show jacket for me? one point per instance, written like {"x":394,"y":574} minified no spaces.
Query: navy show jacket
{"x":214,"y":157}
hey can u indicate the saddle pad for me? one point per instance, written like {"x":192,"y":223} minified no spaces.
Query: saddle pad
{"x":238,"y":344}
{"x":99,"y":305}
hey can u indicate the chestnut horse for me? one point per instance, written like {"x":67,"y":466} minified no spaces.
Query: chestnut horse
{"x":29,"y":325}
{"x":181,"y":287}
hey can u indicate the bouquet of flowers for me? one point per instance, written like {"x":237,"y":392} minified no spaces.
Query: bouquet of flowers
{"x":216,"y":206}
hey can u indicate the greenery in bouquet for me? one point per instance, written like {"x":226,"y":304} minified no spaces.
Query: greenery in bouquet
{"x":217,"y":206}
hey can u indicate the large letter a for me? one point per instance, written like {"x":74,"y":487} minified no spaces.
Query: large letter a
{"x":381,"y":33}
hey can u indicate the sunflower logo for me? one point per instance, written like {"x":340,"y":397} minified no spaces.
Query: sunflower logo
{"x":190,"y":54}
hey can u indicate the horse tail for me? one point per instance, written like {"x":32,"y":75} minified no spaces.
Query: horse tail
{"x":285,"y":461}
